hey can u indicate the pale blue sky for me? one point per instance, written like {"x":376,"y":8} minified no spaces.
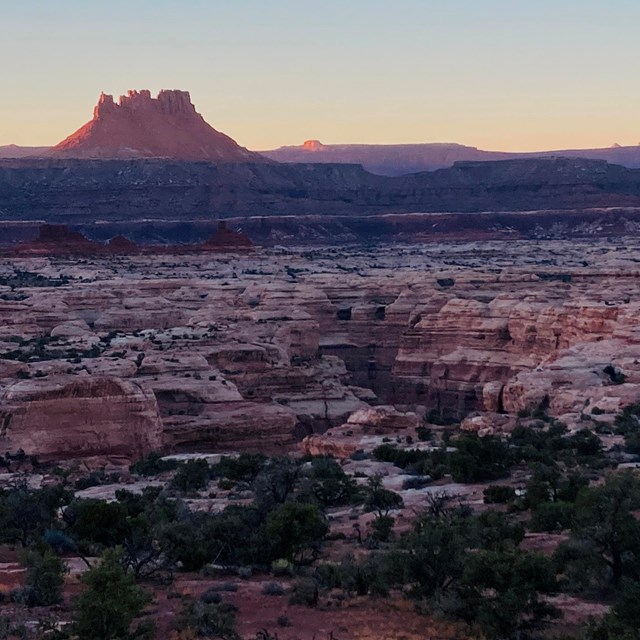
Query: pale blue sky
{"x":499,"y":74}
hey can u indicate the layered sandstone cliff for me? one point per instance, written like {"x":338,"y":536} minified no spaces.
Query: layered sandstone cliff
{"x":60,"y":418}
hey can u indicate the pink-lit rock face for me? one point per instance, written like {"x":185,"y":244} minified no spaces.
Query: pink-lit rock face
{"x":140,"y":126}
{"x":59,"y":418}
{"x":313,"y":145}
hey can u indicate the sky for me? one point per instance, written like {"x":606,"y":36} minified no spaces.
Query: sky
{"x":513,"y":75}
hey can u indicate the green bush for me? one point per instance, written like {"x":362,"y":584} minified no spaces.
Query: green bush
{"x":327,"y":483}
{"x":210,"y":620}
{"x":45,"y":577}
{"x":273,"y":589}
{"x":192,"y":475}
{"x":244,"y":468}
{"x":305,"y":592}
{"x":111,"y":601}
{"x":294,"y":529}
{"x":479,"y":459}
{"x":382,"y":528}
{"x":552,"y":517}
{"x":498,"y":494}
{"x":152,"y":465}
{"x":98,"y":522}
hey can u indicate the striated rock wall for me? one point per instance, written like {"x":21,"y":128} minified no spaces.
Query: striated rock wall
{"x":168,"y":191}
{"x":63,"y":417}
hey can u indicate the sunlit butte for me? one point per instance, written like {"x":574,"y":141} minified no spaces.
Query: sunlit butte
{"x":493,"y":74}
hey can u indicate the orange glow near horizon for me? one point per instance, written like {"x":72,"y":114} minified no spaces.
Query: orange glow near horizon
{"x":496,"y":75}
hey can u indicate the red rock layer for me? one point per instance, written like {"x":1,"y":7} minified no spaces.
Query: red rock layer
{"x":227,"y":238}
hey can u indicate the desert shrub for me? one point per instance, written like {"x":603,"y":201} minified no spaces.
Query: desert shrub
{"x":604,"y":547}
{"x":628,"y":420}
{"x":416,"y":482}
{"x":211,"y":596}
{"x":275,"y":483}
{"x":59,"y":541}
{"x":110,"y":602}
{"x":552,"y":517}
{"x":424,"y":433}
{"x":367,"y":576}
{"x":45,"y":577}
{"x":632,"y":443}
{"x":295,"y":529}
{"x":273,"y":589}
{"x":152,"y":464}
{"x":379,"y":499}
{"x":616,"y":376}
{"x":234,"y":537}
{"x":503,"y":592}
{"x":305,"y":592}
{"x":479,"y":459}
{"x":230,"y":587}
{"x":496,"y":531}
{"x":244,"y":468}
{"x":474,"y":459}
{"x":192,"y":475}
{"x":26,"y":514}
{"x":498,"y":494}
{"x":210,"y":620}
{"x":586,"y":443}
{"x":327,"y":483}
{"x":95,"y":479}
{"x":627,"y":423}
{"x":382,"y":528}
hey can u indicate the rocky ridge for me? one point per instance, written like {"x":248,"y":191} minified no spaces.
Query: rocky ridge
{"x":150,"y":193}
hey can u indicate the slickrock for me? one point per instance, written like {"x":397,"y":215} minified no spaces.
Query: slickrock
{"x":383,"y":418}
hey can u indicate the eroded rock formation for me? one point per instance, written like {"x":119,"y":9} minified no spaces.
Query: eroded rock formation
{"x":61,"y":418}
{"x":140,"y":126}
{"x":255,"y":351}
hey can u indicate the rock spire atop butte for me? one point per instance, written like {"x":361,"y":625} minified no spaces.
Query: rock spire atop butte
{"x":140,"y":126}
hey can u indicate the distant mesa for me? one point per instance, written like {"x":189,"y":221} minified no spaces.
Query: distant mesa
{"x":14,"y":151}
{"x":140,"y":126}
{"x":313,"y":145}
{"x":402,"y":159}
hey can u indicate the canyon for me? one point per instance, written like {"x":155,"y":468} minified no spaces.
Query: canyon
{"x":113,"y":356}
